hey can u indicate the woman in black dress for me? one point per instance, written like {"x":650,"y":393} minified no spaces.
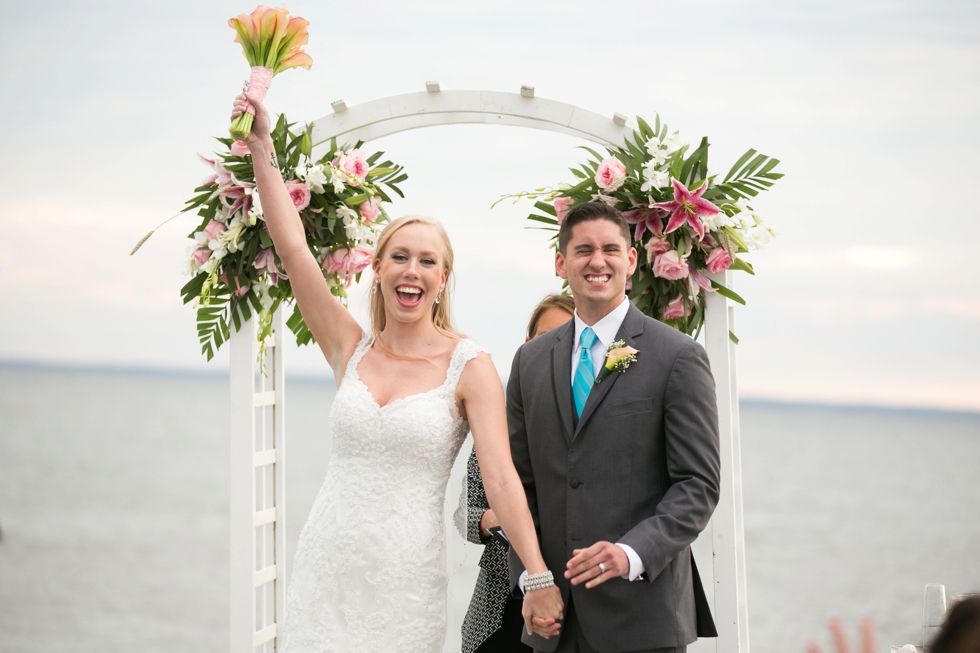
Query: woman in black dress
{"x":493,"y":621}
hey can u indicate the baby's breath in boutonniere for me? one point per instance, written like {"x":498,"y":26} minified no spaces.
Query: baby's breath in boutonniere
{"x":618,"y":359}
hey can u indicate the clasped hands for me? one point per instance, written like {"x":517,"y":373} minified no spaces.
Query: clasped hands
{"x":584,"y":567}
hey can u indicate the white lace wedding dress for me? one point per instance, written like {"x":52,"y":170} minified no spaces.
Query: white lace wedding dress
{"x":370,"y":567}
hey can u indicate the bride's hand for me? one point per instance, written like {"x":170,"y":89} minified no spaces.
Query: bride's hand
{"x":261,"y":125}
{"x":542,"y":611}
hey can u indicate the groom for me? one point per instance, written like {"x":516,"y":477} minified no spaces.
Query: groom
{"x":622,"y":474}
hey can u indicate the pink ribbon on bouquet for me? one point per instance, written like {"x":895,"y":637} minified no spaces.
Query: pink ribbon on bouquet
{"x":258,"y":83}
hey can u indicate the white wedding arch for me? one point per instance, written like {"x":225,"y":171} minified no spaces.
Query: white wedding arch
{"x":257,"y":511}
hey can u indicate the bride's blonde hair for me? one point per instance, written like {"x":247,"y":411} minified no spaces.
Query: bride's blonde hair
{"x":441,"y":314}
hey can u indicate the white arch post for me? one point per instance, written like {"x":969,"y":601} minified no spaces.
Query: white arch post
{"x":258,"y":496}
{"x":379,"y":118}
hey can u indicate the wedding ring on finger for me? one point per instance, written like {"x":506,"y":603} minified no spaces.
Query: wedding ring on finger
{"x":602,"y":568}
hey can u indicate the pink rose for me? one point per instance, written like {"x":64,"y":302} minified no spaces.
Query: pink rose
{"x":670,"y":266}
{"x":656,"y":246}
{"x":358,"y":259}
{"x":354,"y":164}
{"x":562,"y":204}
{"x":335,"y":261}
{"x":718,"y":260}
{"x":201,"y":256}
{"x":611,"y":174}
{"x":213,"y":230}
{"x":239,"y":148}
{"x":676,"y":309}
{"x":348,"y":262}
{"x":299,"y":193}
{"x":370,"y":209}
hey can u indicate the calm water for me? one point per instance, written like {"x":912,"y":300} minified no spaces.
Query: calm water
{"x":114,"y":500}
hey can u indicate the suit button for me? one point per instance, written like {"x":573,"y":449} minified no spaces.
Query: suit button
{"x":574,"y":483}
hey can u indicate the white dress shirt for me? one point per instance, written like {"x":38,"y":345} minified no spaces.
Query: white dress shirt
{"x":605,"y":331}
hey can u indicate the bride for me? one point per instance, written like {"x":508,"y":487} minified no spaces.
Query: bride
{"x":370,"y":571}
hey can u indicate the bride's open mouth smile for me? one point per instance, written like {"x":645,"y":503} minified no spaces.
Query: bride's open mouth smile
{"x":408,"y":296}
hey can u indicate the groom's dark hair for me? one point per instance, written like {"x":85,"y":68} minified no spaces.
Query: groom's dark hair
{"x":586,"y":213}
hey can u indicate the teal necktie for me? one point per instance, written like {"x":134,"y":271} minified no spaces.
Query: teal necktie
{"x":584,"y":374}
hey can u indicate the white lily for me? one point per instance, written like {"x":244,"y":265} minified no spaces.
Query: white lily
{"x":313,"y":175}
{"x":261,"y":290}
{"x":337,"y":178}
{"x":757,"y":237}
{"x":719,"y":220}
{"x":654,"y":178}
{"x":211,"y":264}
{"x":352,"y":222}
{"x":228,"y":240}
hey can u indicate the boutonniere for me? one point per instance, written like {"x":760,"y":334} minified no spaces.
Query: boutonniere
{"x":618,"y":359}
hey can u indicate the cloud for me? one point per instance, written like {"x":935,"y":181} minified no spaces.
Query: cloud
{"x":848,"y":308}
{"x":871,"y":258}
{"x":844,"y":93}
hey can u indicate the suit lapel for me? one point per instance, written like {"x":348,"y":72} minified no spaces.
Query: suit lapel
{"x":632,"y":327}
{"x":561,"y":365}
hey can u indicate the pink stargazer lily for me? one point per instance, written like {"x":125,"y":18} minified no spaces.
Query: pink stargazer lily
{"x":697,"y":280}
{"x":645,"y":217}
{"x":688,"y":207}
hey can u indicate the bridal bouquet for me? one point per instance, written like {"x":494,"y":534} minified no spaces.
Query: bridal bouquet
{"x":234,"y":268}
{"x":687,"y":221}
{"x":272,"y":42}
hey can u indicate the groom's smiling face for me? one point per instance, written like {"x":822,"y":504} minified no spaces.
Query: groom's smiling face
{"x":597,"y":261}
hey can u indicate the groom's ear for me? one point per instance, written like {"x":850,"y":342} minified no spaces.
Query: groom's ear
{"x":560,"y":266}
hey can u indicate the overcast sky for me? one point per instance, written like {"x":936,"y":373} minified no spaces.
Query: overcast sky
{"x":870,"y":295}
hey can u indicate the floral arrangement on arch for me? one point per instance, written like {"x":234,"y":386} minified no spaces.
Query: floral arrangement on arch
{"x":687,"y":222}
{"x":234,"y":268}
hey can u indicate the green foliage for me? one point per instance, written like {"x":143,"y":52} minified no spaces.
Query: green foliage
{"x":213,"y":288}
{"x":637,"y":196}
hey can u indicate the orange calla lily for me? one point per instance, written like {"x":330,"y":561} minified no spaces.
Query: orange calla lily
{"x":297,"y":59}
{"x":242,"y":24}
{"x":296,"y":32}
{"x":272,"y":41}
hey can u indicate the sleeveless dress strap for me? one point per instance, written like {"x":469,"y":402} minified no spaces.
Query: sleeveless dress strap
{"x":367,"y":339}
{"x":466,"y":350}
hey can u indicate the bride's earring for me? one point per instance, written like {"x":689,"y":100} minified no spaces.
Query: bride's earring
{"x":439,"y":296}
{"x":374,"y":288}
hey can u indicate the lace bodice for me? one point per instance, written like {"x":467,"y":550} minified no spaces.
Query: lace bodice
{"x":370,"y":569}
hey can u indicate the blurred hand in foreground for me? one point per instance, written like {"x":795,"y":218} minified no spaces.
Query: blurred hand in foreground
{"x":869,"y":637}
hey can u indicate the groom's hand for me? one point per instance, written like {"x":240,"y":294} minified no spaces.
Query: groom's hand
{"x":584,"y":565}
{"x":542,"y":611}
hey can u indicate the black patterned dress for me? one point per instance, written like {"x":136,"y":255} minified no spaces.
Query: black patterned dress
{"x":493,"y":621}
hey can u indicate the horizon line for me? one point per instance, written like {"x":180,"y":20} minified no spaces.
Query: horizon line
{"x":218,"y":372}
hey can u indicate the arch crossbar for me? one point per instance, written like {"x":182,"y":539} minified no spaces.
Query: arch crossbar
{"x":373,"y":120}
{"x":255,"y":625}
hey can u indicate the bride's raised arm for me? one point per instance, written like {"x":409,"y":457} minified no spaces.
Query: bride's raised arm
{"x":335,"y":330}
{"x":483,"y":401}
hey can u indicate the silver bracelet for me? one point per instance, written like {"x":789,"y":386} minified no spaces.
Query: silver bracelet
{"x":538,"y":581}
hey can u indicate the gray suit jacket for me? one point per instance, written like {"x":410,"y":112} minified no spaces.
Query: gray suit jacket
{"x":641,"y":466}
